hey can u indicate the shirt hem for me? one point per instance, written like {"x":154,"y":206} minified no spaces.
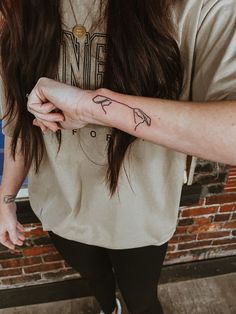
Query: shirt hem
{"x":163,"y":240}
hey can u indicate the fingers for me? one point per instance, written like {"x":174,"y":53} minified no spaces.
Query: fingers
{"x":20,"y":227}
{"x":44,"y":125}
{"x":4,"y":239}
{"x":47,"y":112}
{"x":46,"y":115}
{"x":14,"y":236}
{"x":21,"y":236}
{"x":50,"y":117}
{"x":20,"y":231}
{"x":40,"y":108}
{"x":40,"y":125}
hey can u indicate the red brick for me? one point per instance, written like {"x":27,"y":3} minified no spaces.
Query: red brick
{"x":223,"y":217}
{"x":201,"y":202}
{"x":231,"y":176}
{"x":234,"y":232}
{"x":41,"y":241}
{"x":42,"y":268}
{"x":10,"y":254}
{"x":35,"y":232}
{"x":186,"y":222}
{"x":191,"y":245}
{"x":10,"y":272}
{"x":230,"y":225}
{"x":174,"y":239}
{"x":221,"y":199}
{"x":175,"y":255}
{"x":39,"y":250}
{"x":187,"y":238}
{"x":21,"y":279}
{"x":52,"y":257}
{"x":199,"y":211}
{"x":232,"y":169}
{"x":181,"y":230}
{"x":213,"y":235}
{"x":66,"y":265}
{"x":233,"y":216}
{"x":231,"y":183}
{"x":228,"y":208}
{"x":230,"y":189}
{"x":205,"y":228}
{"x":60,"y":274}
{"x":196,"y":229}
{"x":224,"y":241}
{"x":180,"y":255}
{"x":231,"y":173}
{"x":171,"y":248}
{"x":12,"y":263}
{"x":203,"y":220}
{"x":183,"y":238}
{"x":203,"y":253}
{"x":228,"y":247}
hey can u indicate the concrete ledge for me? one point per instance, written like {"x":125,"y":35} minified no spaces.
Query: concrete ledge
{"x":78,"y":288}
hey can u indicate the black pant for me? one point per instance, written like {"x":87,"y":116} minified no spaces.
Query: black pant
{"x":136,"y":271}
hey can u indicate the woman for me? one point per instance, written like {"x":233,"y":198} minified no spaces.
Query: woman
{"x":106,"y":182}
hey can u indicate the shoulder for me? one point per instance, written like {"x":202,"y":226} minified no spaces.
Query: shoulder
{"x":198,"y":10}
{"x":209,"y":4}
{"x":217,"y":9}
{"x":194,"y":16}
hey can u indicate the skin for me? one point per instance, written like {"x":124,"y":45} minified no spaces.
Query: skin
{"x":191,"y":128}
{"x":11,"y":231}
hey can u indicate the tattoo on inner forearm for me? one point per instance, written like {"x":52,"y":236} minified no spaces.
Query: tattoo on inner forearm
{"x":139,"y":115}
{"x":8,"y":199}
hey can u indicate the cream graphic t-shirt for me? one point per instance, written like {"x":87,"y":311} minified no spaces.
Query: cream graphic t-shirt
{"x":69,"y":195}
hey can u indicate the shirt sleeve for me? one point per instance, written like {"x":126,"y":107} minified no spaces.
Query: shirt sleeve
{"x":214,"y":70}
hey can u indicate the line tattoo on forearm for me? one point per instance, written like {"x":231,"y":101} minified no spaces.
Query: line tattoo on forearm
{"x":8,"y":199}
{"x":139,"y":116}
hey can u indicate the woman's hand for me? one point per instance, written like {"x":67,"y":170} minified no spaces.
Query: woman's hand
{"x":56,"y":105}
{"x":11,"y":231}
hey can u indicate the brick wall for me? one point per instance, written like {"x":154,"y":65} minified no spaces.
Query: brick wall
{"x":206,"y":229}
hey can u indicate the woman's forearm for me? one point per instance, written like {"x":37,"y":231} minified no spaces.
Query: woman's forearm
{"x":206,"y":130}
{"x":14,"y":173}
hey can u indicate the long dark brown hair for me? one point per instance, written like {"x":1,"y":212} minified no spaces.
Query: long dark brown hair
{"x":143,"y":59}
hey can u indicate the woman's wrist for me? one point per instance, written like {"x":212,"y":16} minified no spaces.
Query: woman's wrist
{"x":7,"y":197}
{"x":92,"y":113}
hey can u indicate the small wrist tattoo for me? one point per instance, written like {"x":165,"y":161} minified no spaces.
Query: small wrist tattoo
{"x":139,"y":116}
{"x":8,"y":199}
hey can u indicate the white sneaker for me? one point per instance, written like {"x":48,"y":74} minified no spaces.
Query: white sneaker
{"x":119,"y":308}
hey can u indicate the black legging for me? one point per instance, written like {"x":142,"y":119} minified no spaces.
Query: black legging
{"x":137,"y":272}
